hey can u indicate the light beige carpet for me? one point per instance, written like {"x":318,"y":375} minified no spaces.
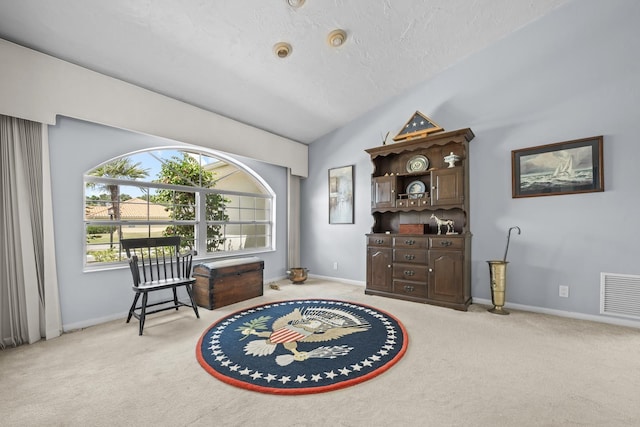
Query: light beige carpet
{"x":461,"y":369}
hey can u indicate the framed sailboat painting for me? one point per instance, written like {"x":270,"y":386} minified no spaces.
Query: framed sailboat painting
{"x":568,"y":167}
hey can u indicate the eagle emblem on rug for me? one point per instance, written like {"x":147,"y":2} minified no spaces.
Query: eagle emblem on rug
{"x":309,"y":325}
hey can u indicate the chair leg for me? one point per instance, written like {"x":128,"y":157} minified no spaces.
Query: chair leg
{"x":175,"y":298}
{"x":193,"y":303}
{"x":133,"y":306}
{"x":143,"y":312}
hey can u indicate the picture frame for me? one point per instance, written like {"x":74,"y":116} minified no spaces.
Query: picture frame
{"x":341,"y":209}
{"x":568,"y":167}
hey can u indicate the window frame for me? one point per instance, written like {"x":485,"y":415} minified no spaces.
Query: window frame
{"x":200,"y":222}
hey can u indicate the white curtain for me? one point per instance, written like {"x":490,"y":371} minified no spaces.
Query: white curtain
{"x":29,"y":300}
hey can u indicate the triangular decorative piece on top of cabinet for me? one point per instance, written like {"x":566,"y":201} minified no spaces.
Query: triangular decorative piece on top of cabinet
{"x":418,"y":126}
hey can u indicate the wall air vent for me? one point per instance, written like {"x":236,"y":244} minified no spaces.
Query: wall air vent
{"x":620,"y":295}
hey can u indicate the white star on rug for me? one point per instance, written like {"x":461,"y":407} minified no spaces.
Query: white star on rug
{"x":331,"y":375}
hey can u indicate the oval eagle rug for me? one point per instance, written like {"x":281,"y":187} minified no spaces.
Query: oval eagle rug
{"x":302,"y":346}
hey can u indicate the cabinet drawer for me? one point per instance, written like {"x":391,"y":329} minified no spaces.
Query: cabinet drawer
{"x":410,"y":242}
{"x":416,"y":273}
{"x":411,"y":289}
{"x":446,"y":243}
{"x":379,"y":240}
{"x":410,"y":256}
{"x":413,"y":203}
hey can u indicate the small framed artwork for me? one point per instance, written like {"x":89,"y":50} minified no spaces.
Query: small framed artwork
{"x":341,"y":195}
{"x":568,"y":167}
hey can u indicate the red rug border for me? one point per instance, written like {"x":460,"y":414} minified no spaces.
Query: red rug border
{"x":310,"y":390}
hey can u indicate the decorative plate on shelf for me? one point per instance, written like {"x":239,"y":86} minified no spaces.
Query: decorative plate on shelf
{"x":417,"y":164}
{"x":415,"y":189}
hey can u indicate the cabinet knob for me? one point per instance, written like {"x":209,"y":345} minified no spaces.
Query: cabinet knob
{"x":389,"y":266}
{"x":433,"y":188}
{"x":431,"y":270}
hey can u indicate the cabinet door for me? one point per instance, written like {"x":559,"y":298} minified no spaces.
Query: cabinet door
{"x":446,"y":276}
{"x":447,"y":186}
{"x":379,"y":269}
{"x":383,"y":192}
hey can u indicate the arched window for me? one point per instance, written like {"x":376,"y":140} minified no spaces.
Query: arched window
{"x":218,"y":206}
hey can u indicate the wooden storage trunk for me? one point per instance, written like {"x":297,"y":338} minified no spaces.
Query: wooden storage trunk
{"x":221,"y":283}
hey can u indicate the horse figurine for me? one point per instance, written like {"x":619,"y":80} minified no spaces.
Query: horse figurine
{"x":441,"y":222}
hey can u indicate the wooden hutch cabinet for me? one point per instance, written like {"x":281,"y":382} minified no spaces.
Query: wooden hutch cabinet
{"x":409,"y":255}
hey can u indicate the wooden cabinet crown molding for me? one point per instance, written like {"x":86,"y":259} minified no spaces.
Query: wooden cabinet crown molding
{"x":459,"y":136}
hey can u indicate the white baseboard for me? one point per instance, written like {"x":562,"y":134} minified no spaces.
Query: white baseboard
{"x":561,"y":313}
{"x":338,"y":279}
{"x":69,"y":327}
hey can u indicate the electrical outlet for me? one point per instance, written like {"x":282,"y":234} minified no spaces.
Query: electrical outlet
{"x":335,"y":265}
{"x":563,"y":291}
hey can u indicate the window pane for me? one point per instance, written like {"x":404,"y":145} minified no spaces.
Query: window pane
{"x":261,"y":203}
{"x":216,"y":204}
{"x":247,"y":202}
{"x":215,"y":238}
{"x":247,"y":215}
{"x":262,"y":215}
{"x":134,"y":210}
{"x":186,"y":232}
{"x":102,"y":243}
{"x":232,"y":214}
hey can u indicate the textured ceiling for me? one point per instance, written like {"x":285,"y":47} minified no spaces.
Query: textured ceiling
{"x":218,"y":54}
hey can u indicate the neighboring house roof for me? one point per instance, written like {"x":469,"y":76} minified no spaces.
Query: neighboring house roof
{"x":129,"y":209}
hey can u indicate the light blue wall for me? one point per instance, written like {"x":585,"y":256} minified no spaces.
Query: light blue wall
{"x":570,"y":75}
{"x":76,"y":146}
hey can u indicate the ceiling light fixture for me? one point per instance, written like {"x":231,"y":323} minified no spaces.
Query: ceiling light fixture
{"x":337,"y":38}
{"x":282,"y":49}
{"x":295,"y":3}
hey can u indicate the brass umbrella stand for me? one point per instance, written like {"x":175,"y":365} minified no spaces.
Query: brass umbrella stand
{"x":498,"y":276}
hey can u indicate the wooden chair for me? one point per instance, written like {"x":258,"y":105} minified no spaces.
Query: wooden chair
{"x":157,"y":264}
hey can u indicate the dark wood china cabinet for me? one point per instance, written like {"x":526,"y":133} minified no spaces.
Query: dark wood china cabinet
{"x":419,"y":248}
